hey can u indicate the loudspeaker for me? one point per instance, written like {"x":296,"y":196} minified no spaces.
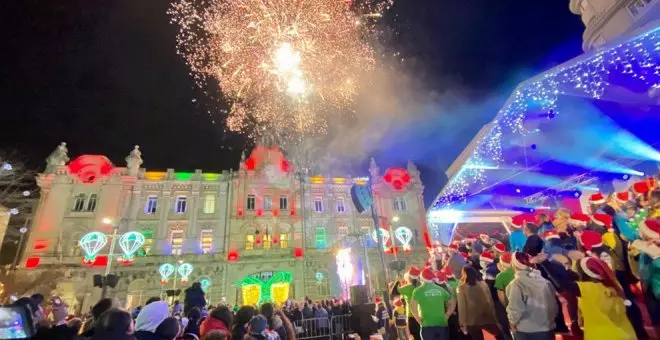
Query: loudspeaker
{"x":112,"y":280}
{"x":361,"y":321}
{"x":359,"y":295}
{"x":98,"y":280}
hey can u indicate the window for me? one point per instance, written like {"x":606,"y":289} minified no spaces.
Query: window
{"x":251,"y":202}
{"x":91,"y":202}
{"x":320,"y":238}
{"x":318,"y":205}
{"x":268,"y":203}
{"x":180,"y":204}
{"x":249,"y":241}
{"x":284,"y":241}
{"x":177,"y":242}
{"x":340,"y":205}
{"x":268,"y":241}
{"x":209,"y":204}
{"x":150,"y":206}
{"x":284,"y":203}
{"x":79,"y":203}
{"x":207,"y":241}
{"x":399,"y":204}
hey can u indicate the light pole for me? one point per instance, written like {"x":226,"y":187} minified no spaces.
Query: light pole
{"x":379,"y":239}
{"x":23,"y":230}
{"x":108,"y":266}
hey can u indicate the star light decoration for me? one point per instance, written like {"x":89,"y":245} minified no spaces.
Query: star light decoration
{"x":92,"y":243}
{"x":185,"y":269}
{"x":166,"y":270}
{"x":130,"y":242}
{"x":636,"y":60}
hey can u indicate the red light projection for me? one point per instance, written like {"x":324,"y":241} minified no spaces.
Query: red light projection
{"x":232,"y":256}
{"x":99,"y":261}
{"x":298,"y":253}
{"x":89,"y":168}
{"x":398,"y":178}
{"x":263,"y":156}
{"x":32,"y":262}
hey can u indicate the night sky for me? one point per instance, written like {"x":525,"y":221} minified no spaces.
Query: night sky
{"x":103,"y":75}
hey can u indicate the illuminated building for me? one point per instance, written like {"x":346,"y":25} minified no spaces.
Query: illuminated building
{"x":585,"y":126}
{"x":261,"y":221}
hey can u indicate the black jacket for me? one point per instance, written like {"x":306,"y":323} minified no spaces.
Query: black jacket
{"x":194,"y":298}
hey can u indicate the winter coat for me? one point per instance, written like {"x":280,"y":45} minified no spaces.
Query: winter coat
{"x":146,"y":335}
{"x":238,"y":331}
{"x":532,"y":303}
{"x":475,"y":305}
{"x":456,"y":262}
{"x":322,"y":315}
{"x":210,"y":324}
{"x":517,"y":241}
{"x":194,"y":298}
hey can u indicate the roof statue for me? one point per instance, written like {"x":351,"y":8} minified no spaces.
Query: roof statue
{"x":59,"y":157}
{"x":134,"y":161}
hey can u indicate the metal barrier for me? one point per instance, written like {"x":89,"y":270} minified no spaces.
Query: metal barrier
{"x":323,"y":328}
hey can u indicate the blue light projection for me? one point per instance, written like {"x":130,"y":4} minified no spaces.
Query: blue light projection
{"x":631,"y":67}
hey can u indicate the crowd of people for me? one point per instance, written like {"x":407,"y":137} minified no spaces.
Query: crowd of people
{"x":192,"y":320}
{"x":592,"y":276}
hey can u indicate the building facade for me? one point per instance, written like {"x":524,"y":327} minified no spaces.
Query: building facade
{"x":256,"y":221}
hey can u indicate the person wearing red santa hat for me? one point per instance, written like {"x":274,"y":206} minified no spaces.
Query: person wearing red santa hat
{"x":592,"y":243}
{"x":406,"y":291}
{"x":505,"y":276}
{"x":476,"y":309}
{"x":381,"y":315}
{"x":517,"y":238}
{"x":532,"y":307}
{"x":400,"y":320}
{"x":602,"y":302}
{"x":649,"y":263}
{"x":432,"y":306}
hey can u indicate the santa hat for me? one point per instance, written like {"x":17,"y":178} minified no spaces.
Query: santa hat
{"x":602,"y":220}
{"x":518,"y":221}
{"x":650,"y":228}
{"x":521,"y":261}
{"x":448,"y":273}
{"x":550,"y":234}
{"x":452,"y":248}
{"x":440,"y":277}
{"x":427,"y":264}
{"x":579,"y":219}
{"x":487,"y":256}
{"x":641,"y":187}
{"x":470,"y":238}
{"x":591,"y":239}
{"x":622,"y":197}
{"x":427,"y":275}
{"x":378,"y":299}
{"x":397,"y":302}
{"x":414,"y":272}
{"x":499,"y":247}
{"x":505,"y":259}
{"x":597,"y":198}
{"x":484,"y":238}
{"x":590,"y":266}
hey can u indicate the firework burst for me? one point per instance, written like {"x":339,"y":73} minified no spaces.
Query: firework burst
{"x":284,"y":64}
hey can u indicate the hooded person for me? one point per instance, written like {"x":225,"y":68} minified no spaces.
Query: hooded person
{"x":194,"y":298}
{"x":148,"y":320}
{"x":532,"y":307}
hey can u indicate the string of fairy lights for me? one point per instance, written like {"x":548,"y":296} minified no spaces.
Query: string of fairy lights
{"x":635,"y":61}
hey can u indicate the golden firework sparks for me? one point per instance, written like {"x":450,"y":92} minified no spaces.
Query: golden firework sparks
{"x":285,"y":64}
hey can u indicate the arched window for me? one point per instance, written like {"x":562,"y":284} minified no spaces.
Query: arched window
{"x":79,"y":203}
{"x":91,"y":202}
